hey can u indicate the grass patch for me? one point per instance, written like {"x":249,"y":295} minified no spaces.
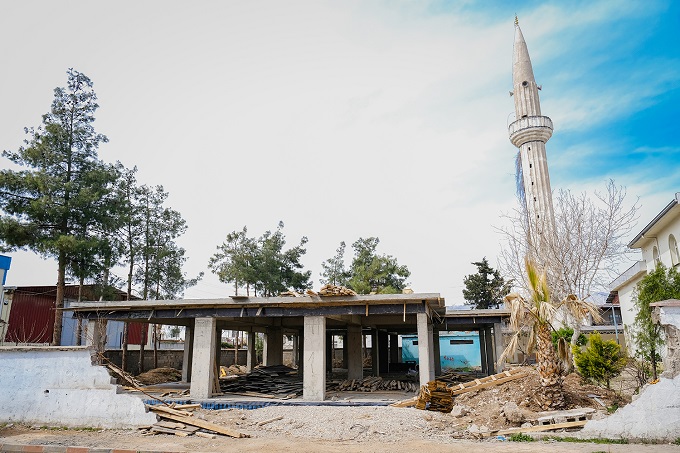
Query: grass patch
{"x":587,"y":441}
{"x":677,"y":441}
{"x":520,"y":437}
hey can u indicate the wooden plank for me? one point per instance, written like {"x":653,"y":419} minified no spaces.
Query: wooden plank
{"x":186,"y":407}
{"x":488,"y":384}
{"x":271,"y":420}
{"x":167,"y":410}
{"x":537,"y":428}
{"x":205,"y":425}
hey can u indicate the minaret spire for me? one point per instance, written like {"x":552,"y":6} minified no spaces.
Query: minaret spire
{"x":529,"y":132}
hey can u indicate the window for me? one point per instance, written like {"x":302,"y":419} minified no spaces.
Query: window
{"x":673,"y":245}
{"x":461,"y":342}
{"x":415,"y":342}
{"x":655,"y":255}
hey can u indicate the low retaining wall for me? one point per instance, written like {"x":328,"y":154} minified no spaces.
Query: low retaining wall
{"x":60,"y":387}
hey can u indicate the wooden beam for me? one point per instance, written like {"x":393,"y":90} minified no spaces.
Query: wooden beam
{"x":205,"y":425}
{"x":537,"y":428}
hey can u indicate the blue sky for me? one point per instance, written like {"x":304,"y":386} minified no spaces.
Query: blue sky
{"x":393,"y":114}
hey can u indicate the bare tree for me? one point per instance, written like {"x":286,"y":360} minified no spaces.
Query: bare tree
{"x":584,"y":253}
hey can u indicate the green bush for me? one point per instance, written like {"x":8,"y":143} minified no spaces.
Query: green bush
{"x":521,"y":437}
{"x":600,"y":361}
{"x":567,"y":333}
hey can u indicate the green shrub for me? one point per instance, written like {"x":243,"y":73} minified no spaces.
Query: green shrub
{"x":600,"y":361}
{"x":520,"y":437}
{"x":567,"y":333}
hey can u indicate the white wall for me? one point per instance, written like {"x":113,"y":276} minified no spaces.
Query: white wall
{"x":59,"y":386}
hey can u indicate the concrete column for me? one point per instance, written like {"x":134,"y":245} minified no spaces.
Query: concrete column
{"x":202,"y":367}
{"x":273,"y":347}
{"x":314,"y":375}
{"x":383,"y":353}
{"x":188,"y":353}
{"x":490,"y":363}
{"x":436,"y":348}
{"x":374,"y":352}
{"x":301,"y":353}
{"x":394,"y":349}
{"x":96,"y":334}
{"x":251,"y":355}
{"x":344,"y":351}
{"x":218,"y":349}
{"x":355,"y":361}
{"x":425,"y":350}
{"x":329,"y":352}
{"x":296,"y":342}
{"x":482,"y":351}
{"x":499,"y":346}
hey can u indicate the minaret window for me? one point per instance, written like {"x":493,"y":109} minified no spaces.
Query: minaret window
{"x":525,"y":83}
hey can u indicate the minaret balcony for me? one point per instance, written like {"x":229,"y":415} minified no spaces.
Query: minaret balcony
{"x":530,"y":129}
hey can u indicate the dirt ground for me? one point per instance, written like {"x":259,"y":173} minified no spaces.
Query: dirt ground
{"x":131,"y":439}
{"x":363,"y":429}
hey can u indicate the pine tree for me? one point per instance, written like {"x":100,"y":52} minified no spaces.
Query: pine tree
{"x":59,"y":199}
{"x":601,"y":361}
{"x":486,"y":288}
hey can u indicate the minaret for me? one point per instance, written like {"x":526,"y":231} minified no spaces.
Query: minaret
{"x":529,"y":132}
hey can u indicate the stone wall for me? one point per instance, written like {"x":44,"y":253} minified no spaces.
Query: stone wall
{"x":171,"y":358}
{"x":61,"y":387}
{"x":668,"y":315}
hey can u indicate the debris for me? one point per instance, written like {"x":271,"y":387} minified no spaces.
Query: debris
{"x":335,"y":290}
{"x":205,"y":425}
{"x":159,"y":376}
{"x":435,"y":396}
{"x":537,"y":428}
{"x":489,"y":381}
{"x":265,"y":422}
{"x":373,"y":384}
{"x":185,"y":418}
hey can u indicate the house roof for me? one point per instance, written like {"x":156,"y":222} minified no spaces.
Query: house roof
{"x":659,"y":222}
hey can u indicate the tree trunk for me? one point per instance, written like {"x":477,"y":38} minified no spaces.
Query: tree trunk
{"x":551,"y":395}
{"x":59,"y":302}
{"x":155,"y":346}
{"x":142,"y":343}
{"x":124,"y":355}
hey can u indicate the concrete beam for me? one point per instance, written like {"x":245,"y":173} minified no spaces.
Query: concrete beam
{"x":355,"y":361}
{"x":202,"y":369}
{"x":425,"y":350}
{"x":314,"y":375}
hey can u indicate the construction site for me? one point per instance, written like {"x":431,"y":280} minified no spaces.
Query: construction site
{"x":336,"y":369}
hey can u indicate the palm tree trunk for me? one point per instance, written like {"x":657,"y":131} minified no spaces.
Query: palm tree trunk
{"x":549,"y":370}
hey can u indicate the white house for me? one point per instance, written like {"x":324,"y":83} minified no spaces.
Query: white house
{"x":658,"y":242}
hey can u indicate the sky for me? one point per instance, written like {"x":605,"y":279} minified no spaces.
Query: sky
{"x":353,"y":119}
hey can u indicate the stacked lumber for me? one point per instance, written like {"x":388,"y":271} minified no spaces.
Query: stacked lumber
{"x":179,"y":421}
{"x":373,"y":384}
{"x":290,"y":294}
{"x":278,"y":380}
{"x":335,"y":290}
{"x":435,"y":396}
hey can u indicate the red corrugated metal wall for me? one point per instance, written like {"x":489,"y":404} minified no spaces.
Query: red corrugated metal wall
{"x":31,"y":319}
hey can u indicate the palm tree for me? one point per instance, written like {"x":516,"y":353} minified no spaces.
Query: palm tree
{"x":536,"y":316}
